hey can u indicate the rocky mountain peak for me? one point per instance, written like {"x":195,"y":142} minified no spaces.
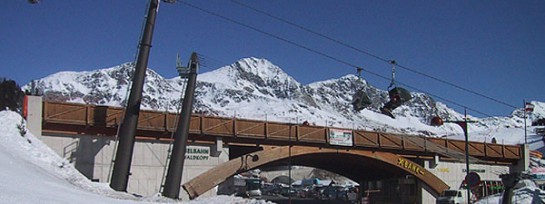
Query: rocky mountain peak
{"x":256,"y":88}
{"x":254,"y":76}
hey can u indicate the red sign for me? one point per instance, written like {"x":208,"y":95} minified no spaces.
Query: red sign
{"x":473,"y":179}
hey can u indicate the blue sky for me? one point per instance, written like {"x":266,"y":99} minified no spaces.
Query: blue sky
{"x":494,"y":48}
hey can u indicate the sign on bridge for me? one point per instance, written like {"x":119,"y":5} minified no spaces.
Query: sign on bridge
{"x":340,"y":137}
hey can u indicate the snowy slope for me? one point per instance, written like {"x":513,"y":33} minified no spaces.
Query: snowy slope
{"x":33,"y":173}
{"x":256,"y":88}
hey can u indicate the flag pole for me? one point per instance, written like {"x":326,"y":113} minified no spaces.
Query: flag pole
{"x":525,"y":133}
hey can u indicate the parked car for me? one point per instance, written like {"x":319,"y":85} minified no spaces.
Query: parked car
{"x":452,"y":197}
{"x":287,"y":191}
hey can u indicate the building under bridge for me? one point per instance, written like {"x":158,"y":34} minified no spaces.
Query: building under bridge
{"x":404,"y":168}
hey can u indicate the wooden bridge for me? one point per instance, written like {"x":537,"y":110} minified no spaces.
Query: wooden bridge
{"x":304,"y":144}
{"x":80,"y":119}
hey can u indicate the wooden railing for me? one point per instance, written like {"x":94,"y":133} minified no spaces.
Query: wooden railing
{"x":89,"y":119}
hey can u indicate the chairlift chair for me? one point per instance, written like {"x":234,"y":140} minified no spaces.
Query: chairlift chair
{"x":436,"y":121}
{"x":360,"y":100}
{"x":397,"y":95}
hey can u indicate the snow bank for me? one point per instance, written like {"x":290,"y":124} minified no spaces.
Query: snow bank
{"x":33,"y":173}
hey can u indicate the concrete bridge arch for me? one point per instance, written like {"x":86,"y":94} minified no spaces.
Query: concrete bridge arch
{"x":358,"y":165}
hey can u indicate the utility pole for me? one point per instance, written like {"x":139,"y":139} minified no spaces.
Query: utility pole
{"x":127,"y":131}
{"x":463,"y":125}
{"x":176,"y":164}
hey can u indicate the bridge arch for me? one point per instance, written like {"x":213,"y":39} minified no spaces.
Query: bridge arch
{"x":383,"y":164}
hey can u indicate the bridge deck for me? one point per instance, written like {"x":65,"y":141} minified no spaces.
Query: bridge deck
{"x":81,"y":119}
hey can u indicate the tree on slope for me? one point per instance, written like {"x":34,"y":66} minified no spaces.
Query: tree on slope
{"x":11,"y":96}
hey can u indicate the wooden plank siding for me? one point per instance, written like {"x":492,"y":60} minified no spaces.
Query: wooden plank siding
{"x":86,"y":119}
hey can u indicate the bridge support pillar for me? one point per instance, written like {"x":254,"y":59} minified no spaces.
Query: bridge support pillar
{"x":425,"y":193}
{"x":217,"y":148}
{"x":34,"y":114}
{"x":431,"y":164}
{"x":524,"y":162}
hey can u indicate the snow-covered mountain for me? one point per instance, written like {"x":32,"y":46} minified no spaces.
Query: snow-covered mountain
{"x":257,"y":89}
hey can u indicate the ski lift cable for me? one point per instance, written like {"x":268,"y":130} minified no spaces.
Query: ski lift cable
{"x":206,"y":62}
{"x":460,"y":87}
{"x":434,"y":95}
{"x":447,"y":100}
{"x":309,"y":30}
{"x":209,"y":62}
{"x":370,"y":54}
{"x":314,"y":51}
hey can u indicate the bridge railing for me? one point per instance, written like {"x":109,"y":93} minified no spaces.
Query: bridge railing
{"x":155,"y":124}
